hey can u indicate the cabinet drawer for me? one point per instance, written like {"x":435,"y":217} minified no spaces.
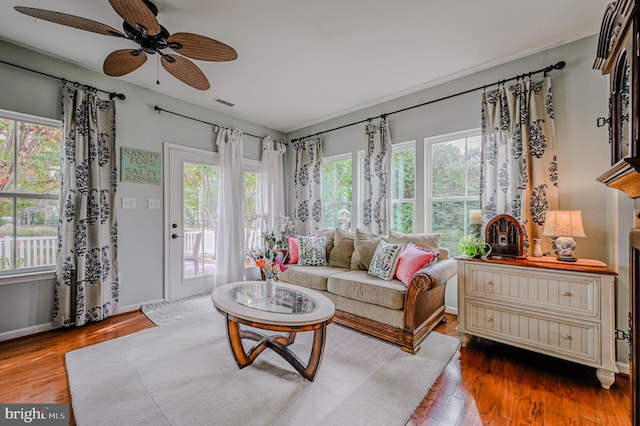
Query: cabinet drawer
{"x":573,"y":340}
{"x":566,"y":293}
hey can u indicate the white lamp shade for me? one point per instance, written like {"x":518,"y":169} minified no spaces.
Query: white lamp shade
{"x":563,"y":223}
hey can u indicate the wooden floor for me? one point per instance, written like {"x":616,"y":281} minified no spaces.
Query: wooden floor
{"x":485,"y":383}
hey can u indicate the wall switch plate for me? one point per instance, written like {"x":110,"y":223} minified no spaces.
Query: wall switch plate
{"x":128,"y":203}
{"x":153,"y":203}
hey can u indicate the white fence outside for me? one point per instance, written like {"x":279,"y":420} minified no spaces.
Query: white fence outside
{"x":31,"y":252}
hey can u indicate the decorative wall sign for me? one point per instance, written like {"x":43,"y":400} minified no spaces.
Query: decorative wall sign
{"x":138,"y":166}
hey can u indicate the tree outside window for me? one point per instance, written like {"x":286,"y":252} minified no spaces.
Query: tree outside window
{"x":404,"y":187}
{"x":336,"y":189}
{"x":455,"y":185}
{"x":29,"y":191}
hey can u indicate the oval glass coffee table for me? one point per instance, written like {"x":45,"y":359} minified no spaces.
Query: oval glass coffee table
{"x":279,"y":307}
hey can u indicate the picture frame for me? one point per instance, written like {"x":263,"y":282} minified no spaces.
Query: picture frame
{"x":280,"y":254}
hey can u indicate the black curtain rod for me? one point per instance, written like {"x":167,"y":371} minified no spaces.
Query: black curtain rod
{"x":157,"y":108}
{"x":65,"y":81}
{"x":558,"y":66}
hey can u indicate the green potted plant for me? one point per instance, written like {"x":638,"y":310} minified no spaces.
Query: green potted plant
{"x":474,"y":246}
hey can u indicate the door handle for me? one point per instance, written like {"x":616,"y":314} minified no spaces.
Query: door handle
{"x":174,"y":236}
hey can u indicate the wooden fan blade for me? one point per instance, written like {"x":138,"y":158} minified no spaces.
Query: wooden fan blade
{"x":135,"y":12}
{"x":70,"y":21}
{"x":185,"y":71}
{"x":123,"y":61}
{"x":196,"y":46}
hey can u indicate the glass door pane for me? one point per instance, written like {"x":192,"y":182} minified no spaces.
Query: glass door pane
{"x":200,"y":218}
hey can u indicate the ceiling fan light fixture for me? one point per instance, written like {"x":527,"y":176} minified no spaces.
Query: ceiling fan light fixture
{"x":141,"y":26}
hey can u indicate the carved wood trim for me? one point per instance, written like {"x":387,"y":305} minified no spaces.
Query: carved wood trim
{"x":616,"y":19}
{"x":624,"y":176}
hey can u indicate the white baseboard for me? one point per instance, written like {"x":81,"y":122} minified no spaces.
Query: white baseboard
{"x":623,"y":367}
{"x":137,"y":306}
{"x":22,"y":332}
{"x":14,"y":334}
{"x":451,"y":310}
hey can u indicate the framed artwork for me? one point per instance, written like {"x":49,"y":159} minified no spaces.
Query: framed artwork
{"x":280,"y":254}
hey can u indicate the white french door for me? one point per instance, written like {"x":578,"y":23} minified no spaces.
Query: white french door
{"x":191,"y":208}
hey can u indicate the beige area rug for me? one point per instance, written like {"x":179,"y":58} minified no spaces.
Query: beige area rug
{"x":183,"y":374}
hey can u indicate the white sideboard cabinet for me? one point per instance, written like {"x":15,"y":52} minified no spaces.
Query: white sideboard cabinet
{"x":562,"y":310}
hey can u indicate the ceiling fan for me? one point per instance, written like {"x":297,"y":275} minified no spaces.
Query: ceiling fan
{"x":141,"y":26}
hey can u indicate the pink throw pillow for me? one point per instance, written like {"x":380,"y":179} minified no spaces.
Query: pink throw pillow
{"x":294,"y":248}
{"x":412,"y":259}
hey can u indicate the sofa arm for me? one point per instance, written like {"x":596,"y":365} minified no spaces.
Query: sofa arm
{"x":424,"y":300}
{"x":434,"y":275}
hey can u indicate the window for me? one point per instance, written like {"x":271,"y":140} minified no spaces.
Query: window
{"x":336,"y":189}
{"x":404,"y":187}
{"x":29,"y":191}
{"x":252,"y":209}
{"x":454,"y":186}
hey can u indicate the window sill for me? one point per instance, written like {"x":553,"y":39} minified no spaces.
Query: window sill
{"x":27,"y":277}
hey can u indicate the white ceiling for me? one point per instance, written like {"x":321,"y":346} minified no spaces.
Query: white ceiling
{"x":303,"y":61}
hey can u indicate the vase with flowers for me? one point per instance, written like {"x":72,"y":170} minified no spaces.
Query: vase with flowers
{"x":270,"y":267}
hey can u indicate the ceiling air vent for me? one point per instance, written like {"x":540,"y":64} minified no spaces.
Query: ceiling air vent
{"x":223,"y":102}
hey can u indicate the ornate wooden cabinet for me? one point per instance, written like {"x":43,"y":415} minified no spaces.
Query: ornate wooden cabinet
{"x":619,"y":56}
{"x":565,"y":311}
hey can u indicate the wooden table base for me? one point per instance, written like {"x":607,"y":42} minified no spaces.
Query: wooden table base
{"x":277,"y":343}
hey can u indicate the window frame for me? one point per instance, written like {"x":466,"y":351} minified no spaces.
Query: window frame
{"x":348,"y":204}
{"x":429,"y":199}
{"x":404,"y":146}
{"x":15,"y":276}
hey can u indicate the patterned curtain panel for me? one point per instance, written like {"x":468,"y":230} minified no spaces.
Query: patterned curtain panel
{"x":519,"y":174}
{"x":308,"y":186}
{"x":272,"y":183}
{"x":377,"y":174}
{"x":230,"y":236}
{"x":87,"y":270}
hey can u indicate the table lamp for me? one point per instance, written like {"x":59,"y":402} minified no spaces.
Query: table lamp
{"x":344,"y":217}
{"x":565,"y":225}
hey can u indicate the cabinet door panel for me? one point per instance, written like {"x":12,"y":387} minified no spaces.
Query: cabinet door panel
{"x":572,"y":340}
{"x":568,"y":294}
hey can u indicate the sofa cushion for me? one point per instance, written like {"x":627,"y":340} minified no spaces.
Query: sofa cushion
{"x":340,"y":256}
{"x":412,"y":259}
{"x":359,"y":285}
{"x":426,"y":241}
{"x":314,"y":277}
{"x":294,"y":249}
{"x":385,"y":260}
{"x":328,"y":233}
{"x":312,"y":251}
{"x":364,"y":245}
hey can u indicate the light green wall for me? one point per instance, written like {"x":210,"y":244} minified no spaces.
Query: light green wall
{"x":138,"y":126}
{"x":580,"y":96}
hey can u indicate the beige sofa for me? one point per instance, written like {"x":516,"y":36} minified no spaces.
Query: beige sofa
{"x":389,"y":310}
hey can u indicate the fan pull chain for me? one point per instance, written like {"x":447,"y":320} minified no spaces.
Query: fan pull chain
{"x":158,"y":71}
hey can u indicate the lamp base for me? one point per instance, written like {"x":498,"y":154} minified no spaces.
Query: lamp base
{"x":566,"y":258}
{"x":566,"y":247}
